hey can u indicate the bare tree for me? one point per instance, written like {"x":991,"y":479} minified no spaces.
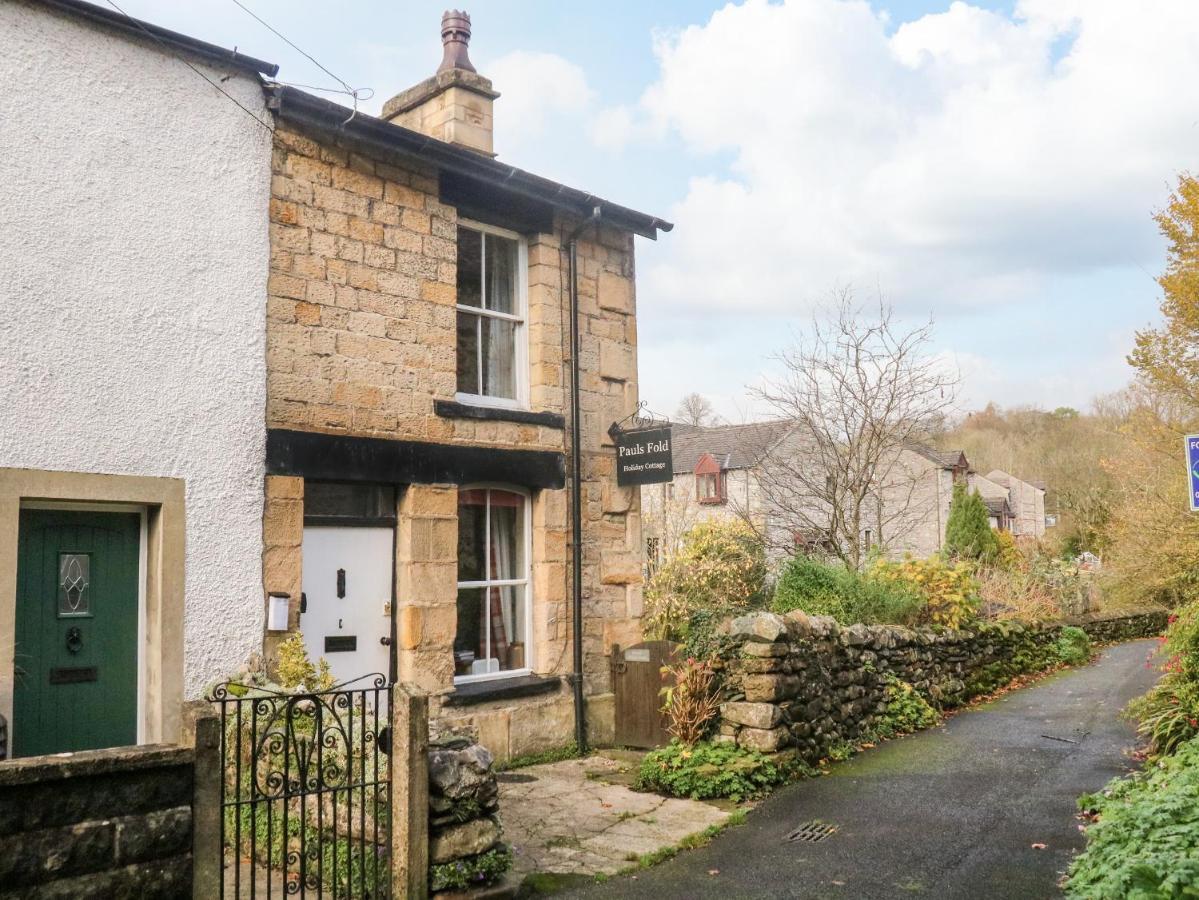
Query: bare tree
{"x":859,"y":392}
{"x":695,"y":409}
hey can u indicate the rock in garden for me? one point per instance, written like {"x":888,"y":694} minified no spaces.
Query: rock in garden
{"x":758,"y":649}
{"x":759,"y":688}
{"x":754,"y":715}
{"x":763,"y":740}
{"x":759,"y":626}
{"x":466,"y":839}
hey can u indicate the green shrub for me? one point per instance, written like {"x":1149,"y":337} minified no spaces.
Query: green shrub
{"x":721,"y":568}
{"x":474,"y":871}
{"x":1169,"y":714}
{"x":949,"y":590}
{"x":906,"y":712}
{"x":704,"y":771}
{"x":968,"y":532}
{"x":1073,"y":646}
{"x":830,"y":589}
{"x":1145,"y":843}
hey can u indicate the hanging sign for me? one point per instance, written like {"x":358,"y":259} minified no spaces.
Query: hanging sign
{"x":1192,"y":444}
{"x":643,"y":456}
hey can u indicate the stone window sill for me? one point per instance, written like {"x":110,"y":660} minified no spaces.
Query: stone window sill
{"x":452,"y":409}
{"x":502,"y":689}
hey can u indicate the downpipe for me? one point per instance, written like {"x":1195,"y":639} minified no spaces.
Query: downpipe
{"x":576,"y":487}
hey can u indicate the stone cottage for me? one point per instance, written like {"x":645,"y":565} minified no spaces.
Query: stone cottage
{"x":719,"y":474}
{"x":996,"y":499}
{"x":423,"y":427}
{"x":1027,"y":502}
{"x":338,"y":393}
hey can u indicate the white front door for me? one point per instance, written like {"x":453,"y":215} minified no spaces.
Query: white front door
{"x":347,"y":583}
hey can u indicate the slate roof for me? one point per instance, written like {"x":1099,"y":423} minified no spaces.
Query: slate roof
{"x":997,"y":506}
{"x":946,"y":459}
{"x":733,"y":446}
{"x":1001,"y":477}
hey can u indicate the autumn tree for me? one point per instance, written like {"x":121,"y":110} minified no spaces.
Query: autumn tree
{"x":1166,"y":357}
{"x":695,"y":409}
{"x":858,"y":389}
{"x":1156,"y":537}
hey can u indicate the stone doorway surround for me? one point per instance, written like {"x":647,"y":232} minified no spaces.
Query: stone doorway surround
{"x":161,"y":685}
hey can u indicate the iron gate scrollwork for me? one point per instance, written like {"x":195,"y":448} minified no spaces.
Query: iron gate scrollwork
{"x":306,"y":790}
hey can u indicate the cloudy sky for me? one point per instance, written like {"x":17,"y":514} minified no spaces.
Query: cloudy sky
{"x":992,"y":164}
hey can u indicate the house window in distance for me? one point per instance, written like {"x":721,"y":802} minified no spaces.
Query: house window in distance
{"x":708,"y":488}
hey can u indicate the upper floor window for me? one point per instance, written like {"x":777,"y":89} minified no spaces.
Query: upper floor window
{"x":492,"y":303}
{"x":709,"y":488}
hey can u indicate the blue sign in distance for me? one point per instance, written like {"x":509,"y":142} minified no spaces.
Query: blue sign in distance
{"x":1193,"y":469}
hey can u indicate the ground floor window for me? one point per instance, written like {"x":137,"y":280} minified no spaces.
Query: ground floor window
{"x":493,"y":583}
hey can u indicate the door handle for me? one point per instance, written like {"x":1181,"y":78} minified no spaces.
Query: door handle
{"x":385,"y":641}
{"x":74,"y":640}
{"x":341,"y":584}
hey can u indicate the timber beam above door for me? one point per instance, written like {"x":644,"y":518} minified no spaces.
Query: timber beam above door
{"x":339,"y":457}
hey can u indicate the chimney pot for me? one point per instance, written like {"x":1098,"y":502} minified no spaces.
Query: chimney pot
{"x":455,"y":37}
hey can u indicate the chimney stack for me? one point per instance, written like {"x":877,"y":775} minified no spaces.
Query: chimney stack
{"x":454,"y":105}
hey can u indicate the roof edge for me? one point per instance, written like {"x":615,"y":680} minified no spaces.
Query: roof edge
{"x":118,"y":21}
{"x":294,"y":105}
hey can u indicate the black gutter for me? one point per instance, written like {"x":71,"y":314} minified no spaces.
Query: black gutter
{"x":110,"y":18}
{"x":302,"y":108}
{"x":576,"y":487}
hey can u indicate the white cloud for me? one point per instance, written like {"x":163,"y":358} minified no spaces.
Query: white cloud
{"x":958,"y":161}
{"x":536,"y":88}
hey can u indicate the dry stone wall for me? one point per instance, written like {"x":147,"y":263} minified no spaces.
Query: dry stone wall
{"x":102,"y":823}
{"x":805,"y":683}
{"x":1105,"y":629}
{"x":463,"y":807}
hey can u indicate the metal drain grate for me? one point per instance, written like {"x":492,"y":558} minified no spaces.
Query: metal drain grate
{"x":811,"y":832}
{"x":514,"y":778}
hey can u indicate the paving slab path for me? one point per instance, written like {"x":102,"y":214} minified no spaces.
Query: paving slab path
{"x":954,"y":812}
{"x":568,"y":818}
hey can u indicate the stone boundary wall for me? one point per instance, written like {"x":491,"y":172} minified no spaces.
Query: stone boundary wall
{"x":100,"y":823}
{"x":1106,"y":628}
{"x":463,"y":804}
{"x":805,"y":684}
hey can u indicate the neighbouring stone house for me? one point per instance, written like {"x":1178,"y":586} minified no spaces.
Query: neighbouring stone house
{"x":417,"y":510}
{"x":133,"y":275}
{"x":996,"y":499}
{"x":719,"y":473}
{"x":322,"y":363}
{"x":1027,"y":502}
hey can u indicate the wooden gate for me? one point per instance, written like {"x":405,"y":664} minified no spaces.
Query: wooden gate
{"x":637,"y":681}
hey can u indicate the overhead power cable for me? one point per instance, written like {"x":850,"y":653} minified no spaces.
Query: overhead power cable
{"x":355,"y":94}
{"x":187,"y":63}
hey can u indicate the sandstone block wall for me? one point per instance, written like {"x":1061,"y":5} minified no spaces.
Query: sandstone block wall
{"x":361,"y":340}
{"x":104,"y":823}
{"x":807,"y":683}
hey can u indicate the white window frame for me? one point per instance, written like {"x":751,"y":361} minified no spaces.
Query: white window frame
{"x":526,"y":581}
{"x":520,"y":362}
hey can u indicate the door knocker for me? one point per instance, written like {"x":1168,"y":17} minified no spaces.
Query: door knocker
{"x":74,"y":640}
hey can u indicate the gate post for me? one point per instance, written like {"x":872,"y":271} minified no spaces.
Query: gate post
{"x":202,"y":730}
{"x":409,"y":793}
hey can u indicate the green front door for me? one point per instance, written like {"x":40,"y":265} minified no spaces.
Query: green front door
{"x":76,"y":631}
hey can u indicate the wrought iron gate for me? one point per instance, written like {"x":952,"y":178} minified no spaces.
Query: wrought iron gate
{"x":306,"y":791}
